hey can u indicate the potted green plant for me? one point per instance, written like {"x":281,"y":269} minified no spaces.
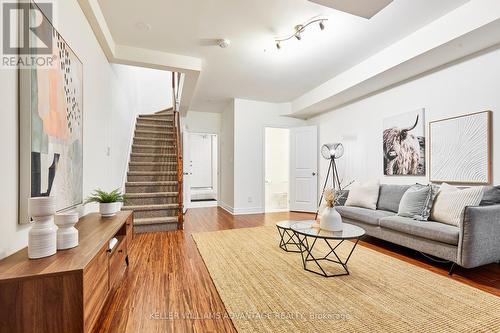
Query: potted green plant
{"x":109,"y":202}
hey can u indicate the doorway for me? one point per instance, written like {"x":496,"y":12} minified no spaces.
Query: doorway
{"x":277,"y":169}
{"x":203,"y":174}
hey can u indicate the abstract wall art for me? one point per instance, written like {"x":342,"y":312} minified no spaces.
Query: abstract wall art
{"x":51,"y":129}
{"x":404,"y":144}
{"x":460,"y":149}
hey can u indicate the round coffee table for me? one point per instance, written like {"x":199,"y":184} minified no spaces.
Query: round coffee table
{"x":308,"y":233}
{"x":287,"y":236}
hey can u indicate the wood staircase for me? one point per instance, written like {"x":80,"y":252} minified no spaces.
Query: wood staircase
{"x":154,"y":180}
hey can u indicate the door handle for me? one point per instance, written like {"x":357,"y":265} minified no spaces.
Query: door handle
{"x":185,"y":173}
{"x":314,"y":173}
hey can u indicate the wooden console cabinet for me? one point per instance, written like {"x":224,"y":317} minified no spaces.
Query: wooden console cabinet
{"x":67,"y":291}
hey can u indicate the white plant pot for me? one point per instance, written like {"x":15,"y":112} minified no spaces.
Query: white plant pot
{"x":109,"y":209}
{"x":330,"y":220}
{"x":67,"y":234}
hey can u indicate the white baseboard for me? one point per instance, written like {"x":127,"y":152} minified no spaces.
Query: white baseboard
{"x":250,"y":210}
{"x":241,"y":211}
{"x":226,"y":207}
{"x":277,"y":211}
{"x":203,"y":204}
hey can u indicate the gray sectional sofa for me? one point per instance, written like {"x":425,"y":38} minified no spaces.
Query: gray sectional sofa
{"x":474,"y":243}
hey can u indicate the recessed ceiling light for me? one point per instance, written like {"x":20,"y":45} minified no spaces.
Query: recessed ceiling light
{"x":143,"y":26}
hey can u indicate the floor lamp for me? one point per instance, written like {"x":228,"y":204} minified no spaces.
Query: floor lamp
{"x":332,"y":152}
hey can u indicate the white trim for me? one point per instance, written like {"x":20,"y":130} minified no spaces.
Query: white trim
{"x":131,"y":141}
{"x":203,"y":204}
{"x":277,"y":211}
{"x":246,"y":211}
{"x":226,"y":207}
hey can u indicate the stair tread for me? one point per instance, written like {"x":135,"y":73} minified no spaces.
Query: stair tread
{"x":151,"y":155}
{"x":158,"y":182}
{"x":152,"y":132}
{"x":156,"y":126}
{"x":156,"y":115}
{"x":154,"y":119}
{"x":156,"y":220}
{"x":151,"y":173}
{"x":152,"y":146}
{"x":152,"y":139}
{"x":151,"y":163}
{"x":152,"y":194}
{"x":150,"y":207}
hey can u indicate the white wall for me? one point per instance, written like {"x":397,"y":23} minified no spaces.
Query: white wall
{"x":203,"y":122}
{"x":466,"y":87}
{"x":154,"y":89}
{"x":226,"y":170}
{"x":250,"y":120}
{"x":111,"y":102}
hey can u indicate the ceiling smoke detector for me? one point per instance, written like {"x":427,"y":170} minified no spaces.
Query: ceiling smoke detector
{"x":223,"y":43}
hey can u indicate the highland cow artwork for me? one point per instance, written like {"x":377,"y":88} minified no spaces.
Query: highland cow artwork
{"x":404,"y":144}
{"x":51,"y":128}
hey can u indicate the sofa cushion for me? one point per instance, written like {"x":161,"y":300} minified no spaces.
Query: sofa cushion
{"x":435,"y":231}
{"x":363,"y":214}
{"x":390,"y":196}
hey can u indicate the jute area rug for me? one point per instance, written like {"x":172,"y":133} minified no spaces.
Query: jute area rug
{"x":265,"y":289}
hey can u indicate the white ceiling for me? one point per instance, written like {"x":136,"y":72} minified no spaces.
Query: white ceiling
{"x":252,"y":67}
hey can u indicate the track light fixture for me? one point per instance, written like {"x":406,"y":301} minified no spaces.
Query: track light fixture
{"x":299,"y":29}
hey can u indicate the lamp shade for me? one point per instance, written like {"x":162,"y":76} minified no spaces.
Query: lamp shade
{"x":332,"y":150}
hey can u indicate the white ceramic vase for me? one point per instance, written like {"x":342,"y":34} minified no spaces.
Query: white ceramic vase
{"x":109,"y":209}
{"x":67,"y":234}
{"x":42,"y":237}
{"x":330,"y":220}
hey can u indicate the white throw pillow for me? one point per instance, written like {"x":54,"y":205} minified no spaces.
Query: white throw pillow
{"x":364,"y":195}
{"x":450,"y":203}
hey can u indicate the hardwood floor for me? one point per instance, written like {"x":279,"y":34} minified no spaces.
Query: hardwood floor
{"x":169,"y":289}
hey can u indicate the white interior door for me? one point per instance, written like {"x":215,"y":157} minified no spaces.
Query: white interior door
{"x":304,"y":169}
{"x":186,"y":188}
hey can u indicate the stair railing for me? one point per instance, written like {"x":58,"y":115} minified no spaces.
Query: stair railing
{"x":178,"y":143}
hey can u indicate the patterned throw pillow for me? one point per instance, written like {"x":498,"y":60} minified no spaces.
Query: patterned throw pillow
{"x":417,"y":201}
{"x":449,"y":206}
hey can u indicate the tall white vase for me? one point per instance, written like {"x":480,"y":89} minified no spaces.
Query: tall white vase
{"x":330,"y":220}
{"x":42,"y":237}
{"x":67,"y":234}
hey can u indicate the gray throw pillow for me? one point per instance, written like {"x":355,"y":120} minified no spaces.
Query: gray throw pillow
{"x":390,"y":196}
{"x":491,"y":196}
{"x":417,"y":201}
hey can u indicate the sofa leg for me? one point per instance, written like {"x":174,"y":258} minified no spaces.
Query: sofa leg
{"x":450,"y":272}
